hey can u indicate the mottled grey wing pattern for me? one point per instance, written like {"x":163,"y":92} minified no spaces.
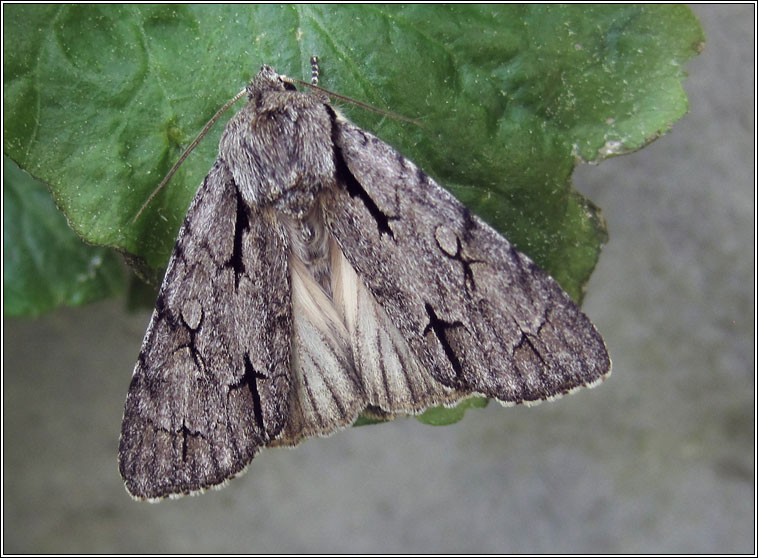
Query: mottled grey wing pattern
{"x":478,"y":314}
{"x":210,"y":387}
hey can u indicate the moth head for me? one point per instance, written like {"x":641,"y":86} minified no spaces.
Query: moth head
{"x":268,"y":80}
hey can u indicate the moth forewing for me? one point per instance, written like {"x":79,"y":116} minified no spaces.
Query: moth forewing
{"x":319,"y":274}
{"x":481,"y":316}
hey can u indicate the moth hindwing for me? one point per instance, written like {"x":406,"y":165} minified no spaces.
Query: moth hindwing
{"x":320,"y":273}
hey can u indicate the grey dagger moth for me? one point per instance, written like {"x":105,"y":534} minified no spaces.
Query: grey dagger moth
{"x":320,"y":274}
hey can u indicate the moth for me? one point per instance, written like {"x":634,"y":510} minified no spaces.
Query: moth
{"x":320,"y":274}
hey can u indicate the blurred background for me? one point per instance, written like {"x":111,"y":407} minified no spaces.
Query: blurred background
{"x":659,"y":458}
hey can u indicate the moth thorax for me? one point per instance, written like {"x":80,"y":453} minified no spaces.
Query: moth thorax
{"x":296,"y":203}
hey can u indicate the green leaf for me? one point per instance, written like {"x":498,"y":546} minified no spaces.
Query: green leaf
{"x":435,"y":416}
{"x":442,"y":416}
{"x":45,"y":265}
{"x":100,"y":100}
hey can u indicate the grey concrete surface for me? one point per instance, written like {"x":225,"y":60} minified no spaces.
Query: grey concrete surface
{"x":660,"y":458}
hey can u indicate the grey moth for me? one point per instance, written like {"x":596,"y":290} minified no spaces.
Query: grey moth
{"x":320,"y":274}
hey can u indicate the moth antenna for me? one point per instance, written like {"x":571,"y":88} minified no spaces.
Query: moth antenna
{"x":314,"y":70}
{"x":314,"y":76}
{"x":186,"y":153}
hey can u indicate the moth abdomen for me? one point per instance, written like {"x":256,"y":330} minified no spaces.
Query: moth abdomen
{"x":309,"y":242}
